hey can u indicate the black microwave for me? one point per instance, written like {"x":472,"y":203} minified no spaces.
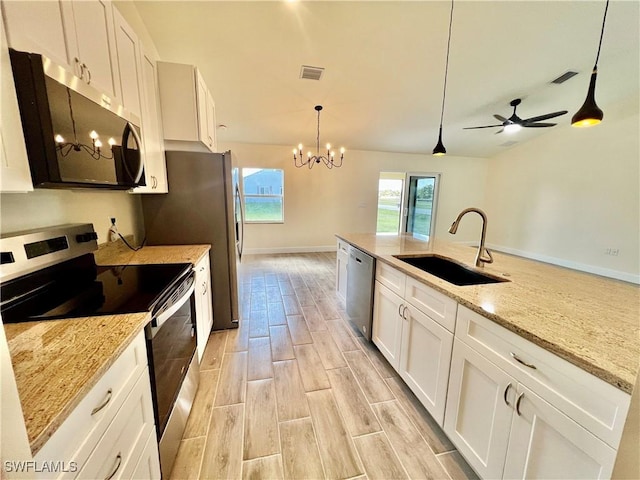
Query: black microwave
{"x":76,"y":137}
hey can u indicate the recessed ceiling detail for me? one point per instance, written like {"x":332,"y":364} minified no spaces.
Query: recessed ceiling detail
{"x":564,"y":77}
{"x":311,"y":73}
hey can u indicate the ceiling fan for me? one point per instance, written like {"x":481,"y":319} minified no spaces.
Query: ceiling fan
{"x":514,"y":123}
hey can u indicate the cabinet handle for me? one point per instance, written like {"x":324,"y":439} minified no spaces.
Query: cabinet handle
{"x":519,"y":360}
{"x":400,"y":307}
{"x":103,"y":404}
{"x":78,"y":67}
{"x":204,"y":288}
{"x":404,"y":311}
{"x":506,"y":392}
{"x":520,"y":397}
{"x":84,"y":66}
{"x":117,"y":467}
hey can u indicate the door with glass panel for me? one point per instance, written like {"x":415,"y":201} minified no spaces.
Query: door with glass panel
{"x":407,"y":203}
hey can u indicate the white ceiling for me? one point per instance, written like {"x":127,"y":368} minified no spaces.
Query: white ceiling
{"x":384,"y":66}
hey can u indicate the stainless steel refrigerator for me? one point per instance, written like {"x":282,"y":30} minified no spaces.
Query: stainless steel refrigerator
{"x":203,"y":206}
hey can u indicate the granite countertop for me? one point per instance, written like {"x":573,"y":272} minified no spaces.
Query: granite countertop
{"x":590,"y":321}
{"x":119,"y":254}
{"x":57,"y":362}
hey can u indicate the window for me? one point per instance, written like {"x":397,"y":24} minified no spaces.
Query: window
{"x":263,"y":191}
{"x":407,"y":203}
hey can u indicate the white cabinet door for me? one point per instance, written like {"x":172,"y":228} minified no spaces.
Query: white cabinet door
{"x":204,"y":309}
{"x":342,"y":259}
{"x":44,"y":27}
{"x":478,"y":417}
{"x":545,"y":443}
{"x":15,"y":175}
{"x":78,"y":35}
{"x":206,"y":113}
{"x":211,"y":123}
{"x":387,"y":323}
{"x":155,"y":163}
{"x":129,"y":65}
{"x":425,"y":360}
{"x":94,"y":32}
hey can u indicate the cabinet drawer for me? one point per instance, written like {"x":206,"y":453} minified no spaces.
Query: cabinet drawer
{"x":80,"y":432}
{"x":120,"y":449}
{"x":436,"y":305}
{"x":391,"y":278}
{"x":596,"y":405}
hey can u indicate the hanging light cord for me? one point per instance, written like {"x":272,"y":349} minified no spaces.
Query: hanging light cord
{"x":446,"y":67}
{"x":318,"y":136}
{"x":601,"y":33}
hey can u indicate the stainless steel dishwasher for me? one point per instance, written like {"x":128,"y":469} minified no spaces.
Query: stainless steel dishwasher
{"x":360,"y":278}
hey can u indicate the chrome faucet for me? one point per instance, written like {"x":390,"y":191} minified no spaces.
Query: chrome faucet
{"x":484,"y":255}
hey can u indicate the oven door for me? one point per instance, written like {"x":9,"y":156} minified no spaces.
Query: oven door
{"x":171,"y":345}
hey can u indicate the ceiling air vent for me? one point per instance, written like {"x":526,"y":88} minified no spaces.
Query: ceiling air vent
{"x":311,"y":73}
{"x":564,"y":77}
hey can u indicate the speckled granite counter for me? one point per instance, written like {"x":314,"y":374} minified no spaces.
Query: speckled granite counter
{"x":56,"y":362}
{"x":590,"y":321}
{"x":119,"y":254}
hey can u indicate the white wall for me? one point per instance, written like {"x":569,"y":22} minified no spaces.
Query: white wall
{"x":320,"y":203}
{"x":570,"y":194}
{"x":47,"y":207}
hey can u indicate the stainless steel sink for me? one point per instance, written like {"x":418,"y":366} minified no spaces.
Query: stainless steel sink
{"x":449,"y":270}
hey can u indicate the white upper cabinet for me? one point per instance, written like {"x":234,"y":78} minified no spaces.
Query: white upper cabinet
{"x":129,"y":65}
{"x":188,"y":110}
{"x":14,"y":166}
{"x":78,"y":35}
{"x":155,"y":162}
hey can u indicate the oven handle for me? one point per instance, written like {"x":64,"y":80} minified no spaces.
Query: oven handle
{"x":164,"y":316}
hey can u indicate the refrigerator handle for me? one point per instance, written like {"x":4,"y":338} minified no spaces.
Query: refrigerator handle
{"x":240,"y":225}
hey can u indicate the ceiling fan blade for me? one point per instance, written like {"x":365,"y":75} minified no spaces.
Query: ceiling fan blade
{"x":499,"y":131}
{"x":484,"y":126}
{"x":499,"y":117}
{"x":543,"y":117}
{"x":529,"y":125}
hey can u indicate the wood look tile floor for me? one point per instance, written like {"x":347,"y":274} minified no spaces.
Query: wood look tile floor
{"x":295,"y":393}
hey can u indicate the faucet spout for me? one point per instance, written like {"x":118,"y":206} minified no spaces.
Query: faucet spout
{"x":483,"y":255}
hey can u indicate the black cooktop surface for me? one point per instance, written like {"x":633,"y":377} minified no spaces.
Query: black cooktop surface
{"x":79,"y":288}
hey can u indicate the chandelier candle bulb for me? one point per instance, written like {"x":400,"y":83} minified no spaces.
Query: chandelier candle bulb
{"x":93,"y":134}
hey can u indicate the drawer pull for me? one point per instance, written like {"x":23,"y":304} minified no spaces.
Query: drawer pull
{"x":400,"y":307}
{"x":520,"y":397}
{"x":519,"y":360}
{"x":506,"y":392}
{"x":404,"y":313}
{"x":117,"y":467}
{"x":103,"y":404}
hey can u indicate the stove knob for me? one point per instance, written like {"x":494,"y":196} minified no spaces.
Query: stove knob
{"x":86,"y":237}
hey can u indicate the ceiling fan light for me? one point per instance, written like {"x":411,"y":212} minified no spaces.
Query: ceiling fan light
{"x":439,"y":150}
{"x":512,"y":127}
{"x":589,"y":114}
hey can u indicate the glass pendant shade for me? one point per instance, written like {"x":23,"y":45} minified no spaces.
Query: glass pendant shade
{"x":439,"y":149}
{"x":589,"y":114}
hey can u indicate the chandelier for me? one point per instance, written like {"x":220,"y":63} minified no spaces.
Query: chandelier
{"x":311,"y":160}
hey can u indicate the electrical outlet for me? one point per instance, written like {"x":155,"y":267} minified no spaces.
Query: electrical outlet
{"x":113,"y":231}
{"x":614,"y":252}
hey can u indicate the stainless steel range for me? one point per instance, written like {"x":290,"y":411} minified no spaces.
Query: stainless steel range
{"x":51,"y":274}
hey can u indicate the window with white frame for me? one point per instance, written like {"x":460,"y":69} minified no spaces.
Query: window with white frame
{"x":263,"y":192}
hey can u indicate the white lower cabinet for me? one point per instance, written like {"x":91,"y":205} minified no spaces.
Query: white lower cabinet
{"x":498,"y":419}
{"x":112,"y":429}
{"x":386,"y":332}
{"x":342,"y":259}
{"x":409,"y":321}
{"x":204,"y":308}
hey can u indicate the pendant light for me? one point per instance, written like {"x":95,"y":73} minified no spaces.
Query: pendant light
{"x":439,"y":149}
{"x":590,"y":114}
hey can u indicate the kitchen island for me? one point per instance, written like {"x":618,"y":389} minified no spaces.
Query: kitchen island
{"x":591,"y":321}
{"x":530,"y":377}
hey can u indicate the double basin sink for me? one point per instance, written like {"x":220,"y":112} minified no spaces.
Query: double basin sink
{"x":449,"y":270}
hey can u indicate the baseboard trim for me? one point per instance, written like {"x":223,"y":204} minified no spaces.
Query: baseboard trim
{"x":604,"y":272}
{"x":310,"y":249}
